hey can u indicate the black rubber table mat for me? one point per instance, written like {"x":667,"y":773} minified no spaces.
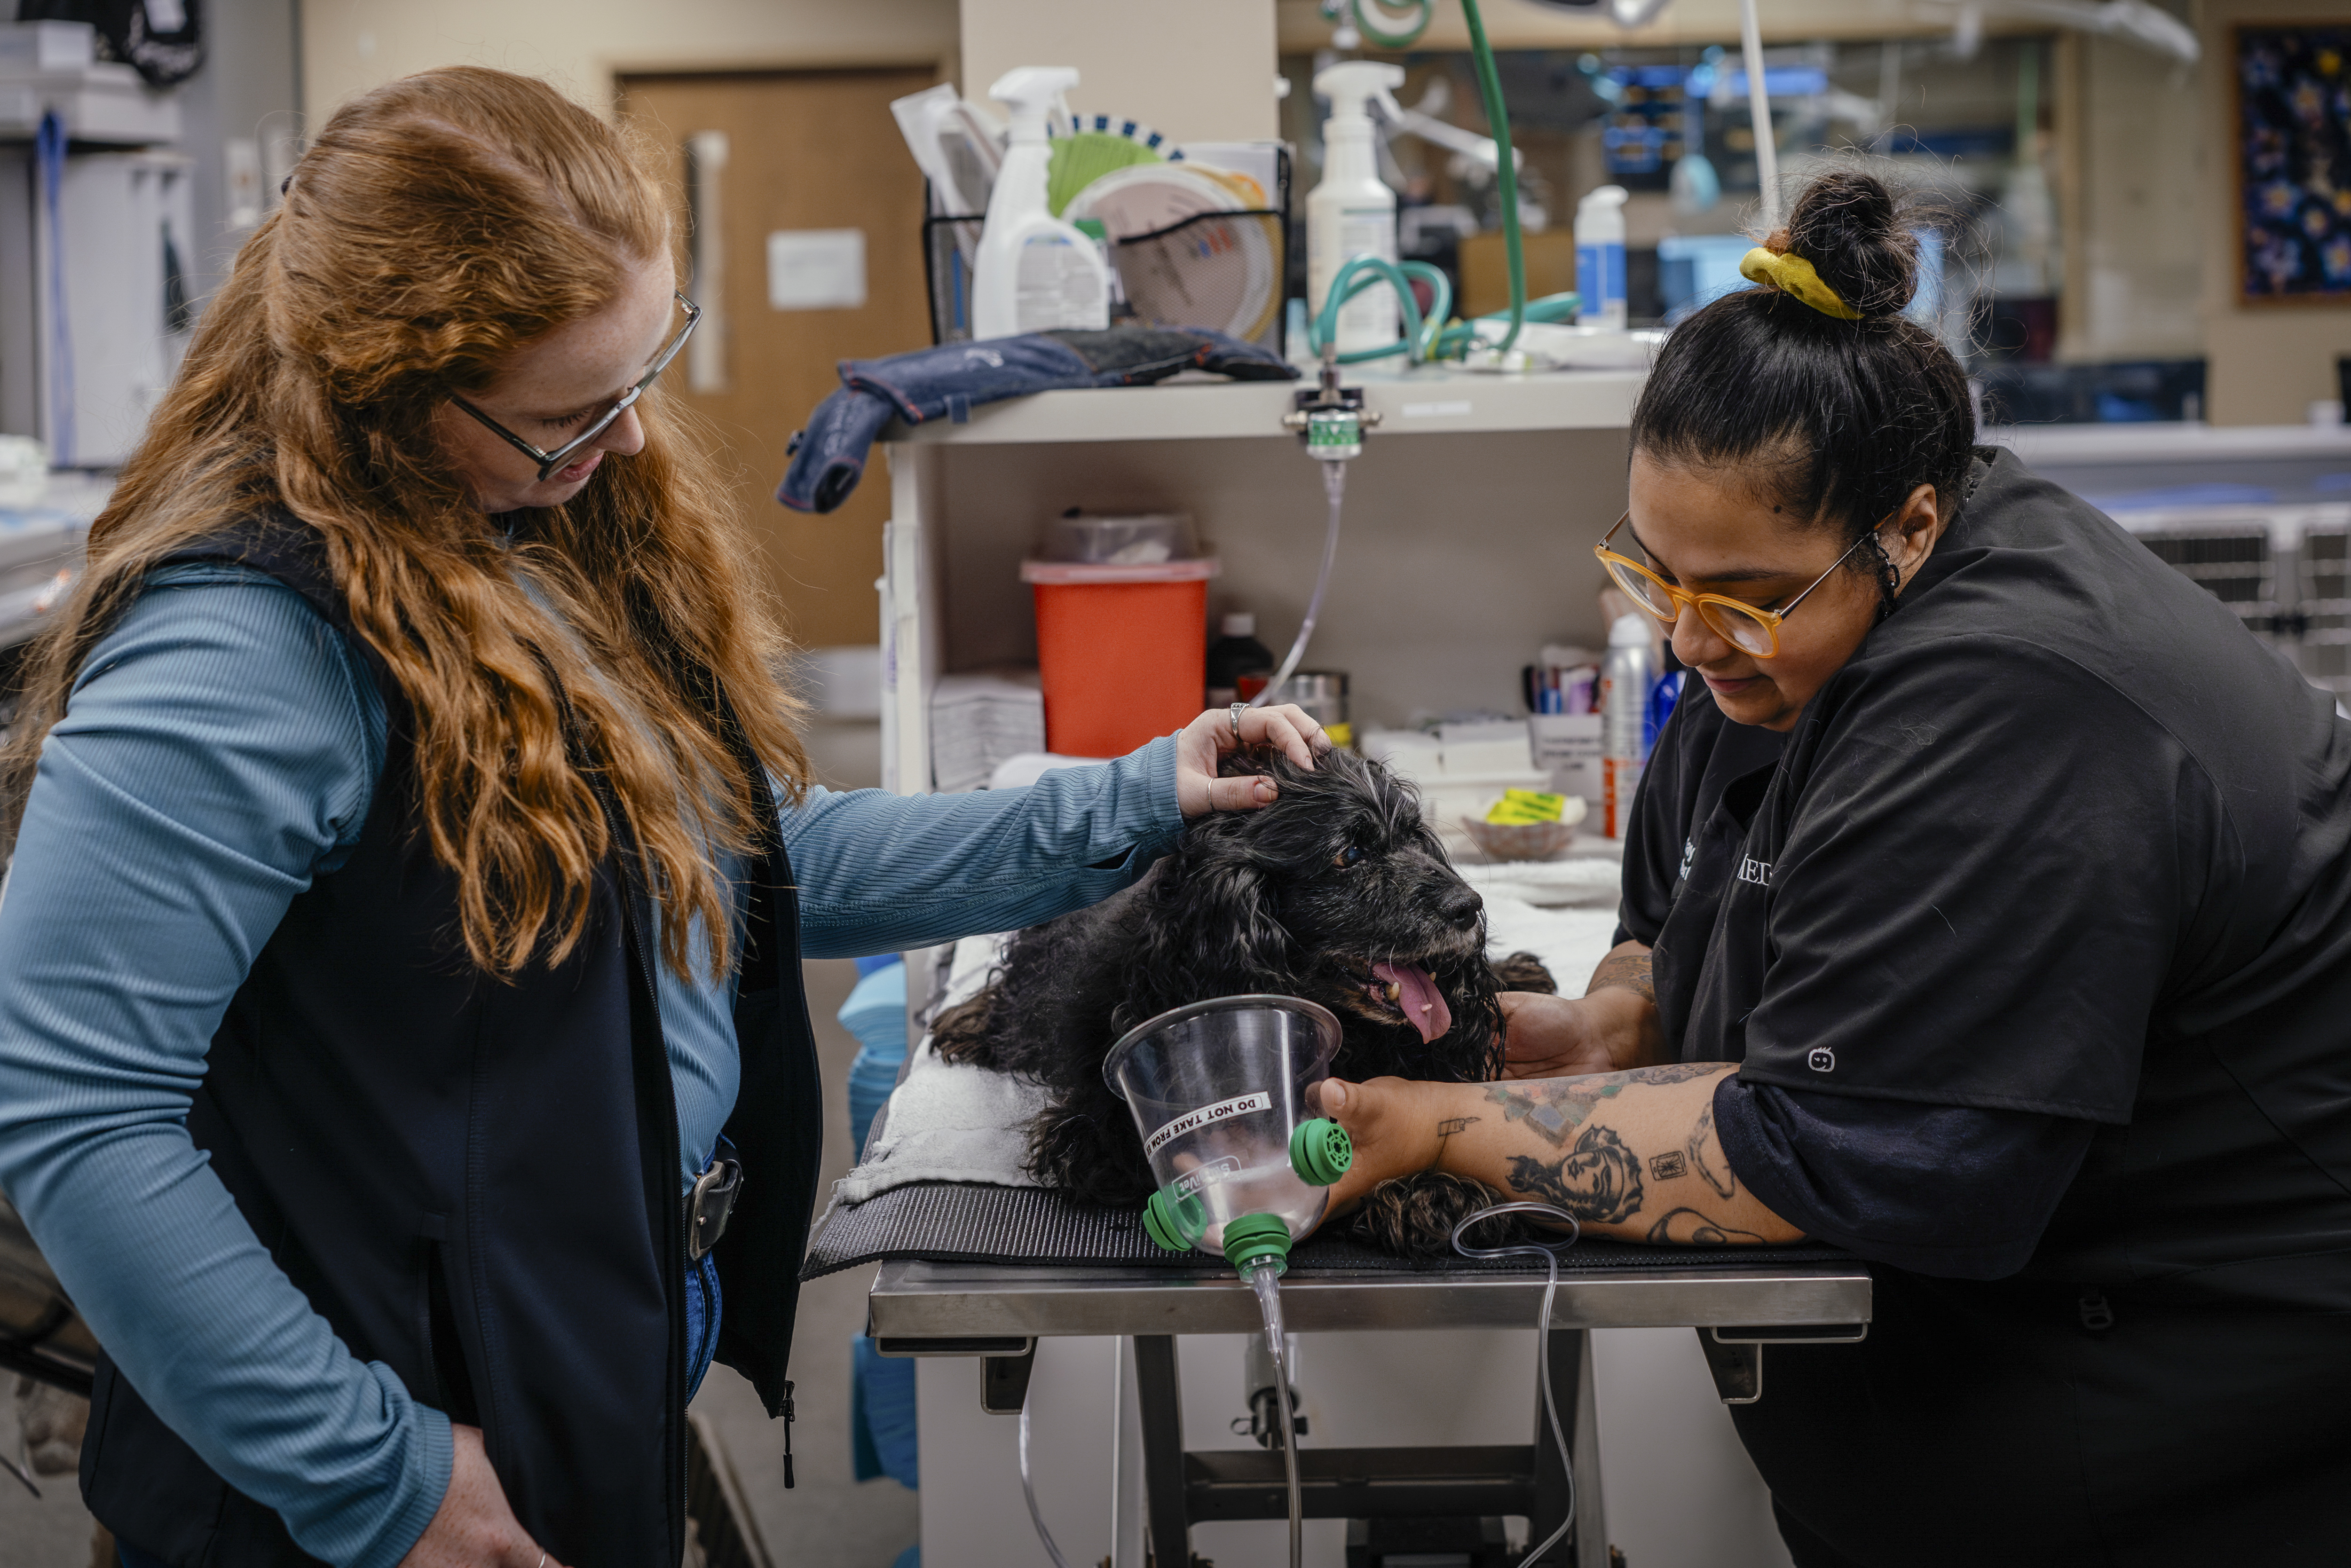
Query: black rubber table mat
{"x":967,"y":1222}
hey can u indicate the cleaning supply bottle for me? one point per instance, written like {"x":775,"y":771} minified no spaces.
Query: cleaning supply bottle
{"x":1034,"y":272}
{"x":1600,"y":258}
{"x":1624,"y":682}
{"x":1236,"y":652}
{"x":1353,"y":213}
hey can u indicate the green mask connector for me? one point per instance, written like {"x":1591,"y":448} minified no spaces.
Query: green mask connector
{"x":1254,"y":1239}
{"x":1176,"y":1224}
{"x":1320,"y":1151}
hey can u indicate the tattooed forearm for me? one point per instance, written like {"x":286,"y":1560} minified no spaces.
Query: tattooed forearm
{"x":1598,"y":1180}
{"x":1706,"y":1153}
{"x":1689,"y":1228}
{"x":1624,"y":972}
{"x":1555,"y":1107}
{"x":1452,"y":1124}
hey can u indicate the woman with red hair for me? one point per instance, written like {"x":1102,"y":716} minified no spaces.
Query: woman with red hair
{"x":402,"y":1036}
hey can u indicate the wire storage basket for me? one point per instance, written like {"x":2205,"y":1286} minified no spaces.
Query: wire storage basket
{"x":950,"y":244}
{"x":1222,"y":270}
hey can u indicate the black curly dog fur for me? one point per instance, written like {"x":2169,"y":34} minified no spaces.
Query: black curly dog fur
{"x":1301,"y":898}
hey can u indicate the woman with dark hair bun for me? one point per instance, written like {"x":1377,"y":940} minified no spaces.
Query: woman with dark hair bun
{"x":1987,"y":911}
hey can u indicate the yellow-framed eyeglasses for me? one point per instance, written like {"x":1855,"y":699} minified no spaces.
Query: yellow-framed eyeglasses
{"x":1749,"y":628}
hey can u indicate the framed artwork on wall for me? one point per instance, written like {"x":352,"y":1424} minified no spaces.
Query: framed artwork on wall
{"x":2293,"y":162}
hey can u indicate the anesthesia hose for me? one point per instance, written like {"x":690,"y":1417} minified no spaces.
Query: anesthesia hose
{"x":1334,"y":486}
{"x":1418,"y":341}
{"x":1549,"y":1253}
{"x":1029,"y":1489}
{"x":1266,"y":1280}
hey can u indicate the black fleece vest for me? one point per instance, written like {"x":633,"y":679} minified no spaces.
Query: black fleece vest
{"x":476,"y":1181}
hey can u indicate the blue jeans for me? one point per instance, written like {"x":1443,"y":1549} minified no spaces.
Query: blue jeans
{"x":703,"y":1308}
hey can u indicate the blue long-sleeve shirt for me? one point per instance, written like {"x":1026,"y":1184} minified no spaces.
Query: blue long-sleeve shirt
{"x":220,"y":752}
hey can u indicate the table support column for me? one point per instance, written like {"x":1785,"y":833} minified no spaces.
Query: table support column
{"x":1162,"y":1449}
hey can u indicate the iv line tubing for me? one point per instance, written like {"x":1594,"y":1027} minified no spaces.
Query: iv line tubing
{"x":1028,"y":1488}
{"x":1549,"y":1253}
{"x":1334,"y":486}
{"x":1758,"y":111}
{"x":1266,"y":1284}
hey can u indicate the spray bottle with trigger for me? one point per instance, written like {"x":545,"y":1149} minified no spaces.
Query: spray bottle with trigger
{"x":1034,"y":272}
{"x":1353,"y":213}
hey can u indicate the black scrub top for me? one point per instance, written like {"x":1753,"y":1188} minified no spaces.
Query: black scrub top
{"x":2061,"y":838}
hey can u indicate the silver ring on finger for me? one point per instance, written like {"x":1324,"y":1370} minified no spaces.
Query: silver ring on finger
{"x":542,"y":1559}
{"x":1238,"y":709}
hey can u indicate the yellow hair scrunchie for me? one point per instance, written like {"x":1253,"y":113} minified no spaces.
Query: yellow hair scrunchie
{"x":1794,"y":275}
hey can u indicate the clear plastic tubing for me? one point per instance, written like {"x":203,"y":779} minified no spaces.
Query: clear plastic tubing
{"x":1029,"y":1489}
{"x":1334,"y":486}
{"x":1549,"y":1253}
{"x":1265,"y":1279}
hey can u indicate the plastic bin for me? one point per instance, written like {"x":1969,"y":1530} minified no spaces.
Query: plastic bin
{"x":1122,"y":650}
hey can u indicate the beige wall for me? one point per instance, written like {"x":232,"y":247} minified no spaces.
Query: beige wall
{"x":2267,"y":363}
{"x":1199,"y":70}
{"x":2134,"y":219}
{"x":350,"y":46}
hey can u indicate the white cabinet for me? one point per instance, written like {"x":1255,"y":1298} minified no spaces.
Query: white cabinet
{"x":1466,"y":545}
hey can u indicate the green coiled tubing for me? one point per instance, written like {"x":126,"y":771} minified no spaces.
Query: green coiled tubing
{"x":1428,"y":338}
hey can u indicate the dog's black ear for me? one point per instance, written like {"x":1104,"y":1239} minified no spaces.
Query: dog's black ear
{"x":1215,"y":928}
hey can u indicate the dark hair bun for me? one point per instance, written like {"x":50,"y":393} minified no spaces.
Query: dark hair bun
{"x":1849,"y":227}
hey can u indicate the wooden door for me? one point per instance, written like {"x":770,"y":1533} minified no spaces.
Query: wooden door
{"x":815,"y":156}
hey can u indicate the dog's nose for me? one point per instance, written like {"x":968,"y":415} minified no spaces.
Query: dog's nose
{"x":1460,"y":906}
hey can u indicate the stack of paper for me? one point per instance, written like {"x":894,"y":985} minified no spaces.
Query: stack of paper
{"x":981,"y":719}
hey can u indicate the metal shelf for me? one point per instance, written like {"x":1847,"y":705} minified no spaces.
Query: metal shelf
{"x":1428,"y":401}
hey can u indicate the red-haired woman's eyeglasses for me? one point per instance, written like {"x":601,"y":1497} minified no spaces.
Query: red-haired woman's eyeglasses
{"x":548,"y":462}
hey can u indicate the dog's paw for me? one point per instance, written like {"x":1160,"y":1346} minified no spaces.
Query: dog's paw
{"x":1414,"y":1216}
{"x":960,"y":1034}
{"x":1524,"y":972}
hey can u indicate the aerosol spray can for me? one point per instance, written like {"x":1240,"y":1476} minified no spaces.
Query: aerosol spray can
{"x":1624,"y":682}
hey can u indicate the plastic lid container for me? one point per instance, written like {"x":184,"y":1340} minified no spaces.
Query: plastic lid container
{"x":1150,"y":538}
{"x":1069,"y":573}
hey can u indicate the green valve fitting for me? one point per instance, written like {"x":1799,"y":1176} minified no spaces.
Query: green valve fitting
{"x":1176,"y":1224}
{"x":1320,"y":1151}
{"x":1253,"y":1239}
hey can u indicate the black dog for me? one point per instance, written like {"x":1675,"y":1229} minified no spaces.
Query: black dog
{"x":1337,"y":893}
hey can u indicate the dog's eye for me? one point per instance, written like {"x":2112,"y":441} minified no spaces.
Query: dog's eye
{"x":1348,"y":856}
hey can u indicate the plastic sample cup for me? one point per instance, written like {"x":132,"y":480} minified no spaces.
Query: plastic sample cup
{"x":1122,"y":651}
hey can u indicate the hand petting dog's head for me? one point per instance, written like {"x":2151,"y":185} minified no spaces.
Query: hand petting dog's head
{"x":1340,"y":886}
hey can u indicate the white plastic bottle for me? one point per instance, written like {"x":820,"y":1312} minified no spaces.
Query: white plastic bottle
{"x":1600,"y":258}
{"x":1353,"y":213}
{"x":1033,"y":272}
{"x":1626,"y":678}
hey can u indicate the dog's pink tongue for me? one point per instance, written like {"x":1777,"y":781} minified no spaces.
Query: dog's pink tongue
{"x":1423,"y":1004}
